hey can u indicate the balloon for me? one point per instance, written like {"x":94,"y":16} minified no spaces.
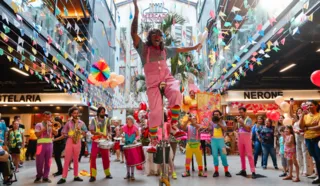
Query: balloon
{"x":275,"y":115}
{"x":268,"y":114}
{"x":105,"y":84}
{"x":120,"y":79}
{"x":143,"y":106}
{"x":113,"y":83}
{"x":279,"y":100}
{"x":136,"y":116}
{"x":113,"y":75}
{"x":285,"y":107}
{"x":315,"y":78}
{"x":91,"y":79}
{"x":287,"y":121}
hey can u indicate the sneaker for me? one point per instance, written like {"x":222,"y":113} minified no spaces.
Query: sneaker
{"x":152,"y":150}
{"x":186,"y":174}
{"x":264,"y":167}
{"x":37,"y":180}
{"x":132,"y":177}
{"x":77,"y":179}
{"x":33,"y":159}
{"x":227,"y":174}
{"x":215,"y":174}
{"x":283,"y":175}
{"x":92,"y":179}
{"x":202,"y":174}
{"x":316,"y":181}
{"x":313,"y":176}
{"x":174,"y":175}
{"x":242,"y":173}
{"x":254,"y":176}
{"x":46,"y":180}
{"x":61,"y":181}
{"x":127,"y":177}
{"x":276,"y":167}
{"x":109,"y":176}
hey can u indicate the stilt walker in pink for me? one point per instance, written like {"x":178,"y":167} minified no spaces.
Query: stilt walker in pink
{"x":44,"y":133}
{"x":99,"y":128}
{"x":73,"y":130}
{"x":244,"y":142}
{"x":154,"y":57}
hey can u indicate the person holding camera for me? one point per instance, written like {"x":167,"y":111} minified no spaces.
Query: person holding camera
{"x":243,"y":125}
{"x":16,"y":142}
{"x":217,"y":127}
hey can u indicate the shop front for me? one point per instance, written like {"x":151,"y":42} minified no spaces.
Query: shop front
{"x":31,"y":106}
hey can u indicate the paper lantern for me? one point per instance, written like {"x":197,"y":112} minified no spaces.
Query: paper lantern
{"x":285,"y":107}
{"x":136,"y":115}
{"x":287,"y":121}
{"x":120,"y":79}
{"x":315,"y":78}
{"x":279,"y":100}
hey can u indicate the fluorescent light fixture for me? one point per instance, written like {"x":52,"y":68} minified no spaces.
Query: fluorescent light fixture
{"x":19,"y":71}
{"x":51,"y":105}
{"x":5,"y":105}
{"x":318,"y":50}
{"x":28,"y":105}
{"x":288,"y":67}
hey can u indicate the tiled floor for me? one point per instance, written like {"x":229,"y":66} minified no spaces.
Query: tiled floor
{"x":27,"y":174}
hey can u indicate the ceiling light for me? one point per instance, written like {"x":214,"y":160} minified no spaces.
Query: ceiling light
{"x":28,"y":105}
{"x":14,"y":108}
{"x":19,"y":71}
{"x":318,"y":50}
{"x":51,"y":105}
{"x":288,"y":67}
{"x":5,"y":105}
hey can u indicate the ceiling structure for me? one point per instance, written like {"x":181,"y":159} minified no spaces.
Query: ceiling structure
{"x":302,"y":51}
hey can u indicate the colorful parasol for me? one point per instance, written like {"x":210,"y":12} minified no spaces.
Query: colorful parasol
{"x":100,"y":71}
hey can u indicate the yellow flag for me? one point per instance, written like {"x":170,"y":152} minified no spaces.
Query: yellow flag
{"x":65,"y":90}
{"x":310,"y":18}
{"x":15,"y":7}
{"x":10,"y":49}
{"x":26,"y":67}
{"x":227,"y":47}
{"x":54,"y":59}
{"x":268,"y":50}
{"x":34,"y":51}
{"x":9,"y":58}
{"x":69,"y":41}
{"x":269,"y":44}
{"x":77,"y":78}
{"x":179,"y":63}
{"x":65,"y":55}
{"x":43,"y":72}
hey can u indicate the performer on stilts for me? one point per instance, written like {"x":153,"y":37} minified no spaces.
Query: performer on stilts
{"x":131,"y":136}
{"x":99,"y":127}
{"x":217,"y":128}
{"x":154,"y":55}
{"x":73,"y":130}
{"x":193,"y":146}
{"x":44,"y":133}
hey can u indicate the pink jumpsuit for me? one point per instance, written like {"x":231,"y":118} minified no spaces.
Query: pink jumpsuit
{"x":157,"y":72}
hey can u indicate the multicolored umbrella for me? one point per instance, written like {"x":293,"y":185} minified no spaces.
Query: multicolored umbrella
{"x":100,"y":71}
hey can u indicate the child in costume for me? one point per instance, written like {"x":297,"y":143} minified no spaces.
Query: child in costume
{"x":154,"y":57}
{"x":217,"y":128}
{"x":131,"y":136}
{"x":193,"y":146}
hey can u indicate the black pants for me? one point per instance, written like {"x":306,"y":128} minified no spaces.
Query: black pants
{"x":32,"y":148}
{"x":83,"y":149}
{"x":57,"y":150}
{"x":5,"y":168}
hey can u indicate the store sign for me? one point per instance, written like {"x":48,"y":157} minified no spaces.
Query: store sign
{"x":262,"y":94}
{"x":20,"y":98}
{"x":156,"y":12}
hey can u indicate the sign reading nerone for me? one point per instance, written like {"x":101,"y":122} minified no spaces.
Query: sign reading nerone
{"x":20,"y":98}
{"x":262,"y":94}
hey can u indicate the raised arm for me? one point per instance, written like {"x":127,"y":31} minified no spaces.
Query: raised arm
{"x":134,"y":26}
{"x":188,"y":49}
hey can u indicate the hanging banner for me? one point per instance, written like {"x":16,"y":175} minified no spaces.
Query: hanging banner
{"x":207,"y":102}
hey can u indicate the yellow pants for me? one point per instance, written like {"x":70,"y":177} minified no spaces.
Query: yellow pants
{"x":194,"y":148}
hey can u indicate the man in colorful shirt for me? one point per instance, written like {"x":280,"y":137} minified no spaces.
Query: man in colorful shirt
{"x":244,"y":124}
{"x":99,"y":127}
{"x":217,"y":128}
{"x":44,"y":133}
{"x":73,"y":130}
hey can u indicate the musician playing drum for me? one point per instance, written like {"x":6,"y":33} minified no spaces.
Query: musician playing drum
{"x":131,"y":136}
{"x":99,"y":128}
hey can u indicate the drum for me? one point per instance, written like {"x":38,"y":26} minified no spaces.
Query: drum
{"x":134,"y":154}
{"x":105,"y":144}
